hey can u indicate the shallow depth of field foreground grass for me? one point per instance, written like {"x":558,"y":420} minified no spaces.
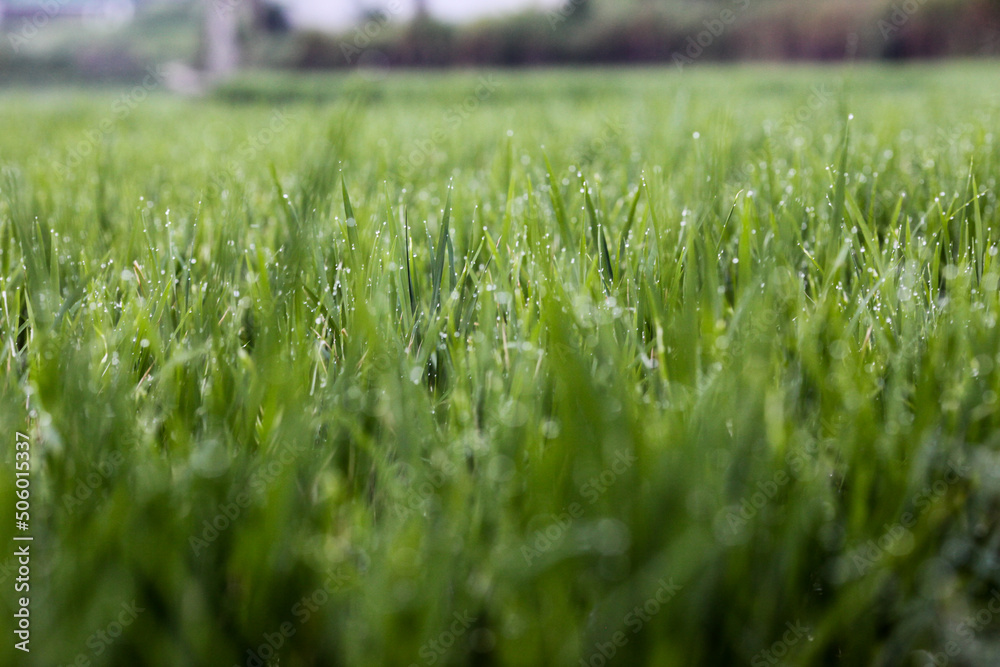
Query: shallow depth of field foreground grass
{"x":692,"y":369}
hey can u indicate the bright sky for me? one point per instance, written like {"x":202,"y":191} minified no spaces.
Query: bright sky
{"x":339,"y":14}
{"x":461,"y":10}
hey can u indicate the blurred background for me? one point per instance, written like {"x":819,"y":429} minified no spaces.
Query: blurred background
{"x":193,"y":42}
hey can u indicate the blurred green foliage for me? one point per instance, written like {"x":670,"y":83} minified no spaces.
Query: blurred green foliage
{"x":674,"y":31}
{"x":680,"y":32}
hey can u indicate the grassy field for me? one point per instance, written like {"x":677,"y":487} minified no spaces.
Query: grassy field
{"x":554,"y":368}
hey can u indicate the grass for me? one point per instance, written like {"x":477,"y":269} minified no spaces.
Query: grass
{"x":691,"y":369}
